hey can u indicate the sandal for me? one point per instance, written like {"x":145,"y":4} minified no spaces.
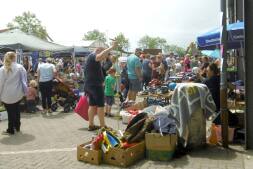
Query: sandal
{"x":93,"y":128}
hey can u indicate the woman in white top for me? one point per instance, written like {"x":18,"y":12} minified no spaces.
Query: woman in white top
{"x":46,"y":72}
{"x":12,"y":76}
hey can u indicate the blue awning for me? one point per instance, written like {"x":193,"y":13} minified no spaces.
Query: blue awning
{"x":211,"y":40}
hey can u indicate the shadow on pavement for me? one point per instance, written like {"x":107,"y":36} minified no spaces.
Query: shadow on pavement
{"x":83,"y":129}
{"x":17,"y":139}
{"x":214,"y":153}
{"x":29,"y":115}
{"x":242,"y":151}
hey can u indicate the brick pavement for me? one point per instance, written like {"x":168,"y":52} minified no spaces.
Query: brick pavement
{"x":49,"y":143}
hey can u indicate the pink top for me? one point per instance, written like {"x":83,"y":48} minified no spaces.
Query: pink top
{"x":78,"y":68}
{"x":31,"y":94}
{"x":186,"y":64}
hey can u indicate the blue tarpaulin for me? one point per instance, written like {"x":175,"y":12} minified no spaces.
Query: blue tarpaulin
{"x":212,"y":53}
{"x":211,"y":40}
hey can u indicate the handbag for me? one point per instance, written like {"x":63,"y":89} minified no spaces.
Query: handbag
{"x":82,"y":108}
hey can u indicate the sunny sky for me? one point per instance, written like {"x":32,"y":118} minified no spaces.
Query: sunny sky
{"x":178,"y":21}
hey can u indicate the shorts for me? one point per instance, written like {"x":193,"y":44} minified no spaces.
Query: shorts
{"x":134,"y":85}
{"x":109,"y":100}
{"x":95,"y":95}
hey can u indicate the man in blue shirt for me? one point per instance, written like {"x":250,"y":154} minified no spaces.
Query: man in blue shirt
{"x":134,"y":74}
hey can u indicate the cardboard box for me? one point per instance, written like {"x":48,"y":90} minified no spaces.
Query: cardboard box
{"x":89,"y":156}
{"x":160,"y":148}
{"x":125,"y":157}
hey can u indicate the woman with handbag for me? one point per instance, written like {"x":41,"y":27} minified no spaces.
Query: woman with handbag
{"x":13,"y":87}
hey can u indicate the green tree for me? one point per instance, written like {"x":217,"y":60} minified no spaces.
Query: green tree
{"x":192,"y":49}
{"x":123,"y":42}
{"x":30,"y":24}
{"x":95,"y":35}
{"x":148,"y":42}
{"x":175,"y":49}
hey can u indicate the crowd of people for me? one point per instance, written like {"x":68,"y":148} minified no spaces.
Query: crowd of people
{"x":105,"y":76}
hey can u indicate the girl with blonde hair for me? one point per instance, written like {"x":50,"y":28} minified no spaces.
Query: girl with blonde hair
{"x":13,"y":80}
{"x":31,"y":97}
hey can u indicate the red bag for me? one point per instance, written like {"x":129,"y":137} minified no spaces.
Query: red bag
{"x":82,"y":107}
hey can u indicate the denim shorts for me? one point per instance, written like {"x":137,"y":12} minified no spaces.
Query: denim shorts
{"x":134,"y":85}
{"x":109,"y":100}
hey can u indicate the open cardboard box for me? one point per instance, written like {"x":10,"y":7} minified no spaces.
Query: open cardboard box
{"x":125,"y":157}
{"x":160,"y":148}
{"x":88,"y":155}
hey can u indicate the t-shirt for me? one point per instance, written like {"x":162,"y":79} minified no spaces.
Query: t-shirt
{"x":46,"y":72}
{"x":110,"y":82}
{"x":146,"y":70}
{"x":132,"y":63}
{"x":93,"y":71}
{"x":170,"y":61}
{"x":178,"y":67}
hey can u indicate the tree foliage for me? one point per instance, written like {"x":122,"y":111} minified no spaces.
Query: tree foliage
{"x":175,"y":49}
{"x":192,"y":49}
{"x":148,"y":42}
{"x":95,"y":35}
{"x":123,"y":42}
{"x":29,"y":23}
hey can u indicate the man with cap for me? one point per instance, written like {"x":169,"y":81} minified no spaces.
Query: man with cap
{"x":134,"y":74}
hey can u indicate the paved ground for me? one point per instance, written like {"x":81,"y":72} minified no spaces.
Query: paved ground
{"x":50,"y":143}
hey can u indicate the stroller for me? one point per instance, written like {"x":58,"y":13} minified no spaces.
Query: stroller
{"x":63,"y":96}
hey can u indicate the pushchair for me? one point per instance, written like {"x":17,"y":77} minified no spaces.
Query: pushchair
{"x":63,"y":96}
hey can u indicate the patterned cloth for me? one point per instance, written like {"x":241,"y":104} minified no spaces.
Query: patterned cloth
{"x":191,"y":104}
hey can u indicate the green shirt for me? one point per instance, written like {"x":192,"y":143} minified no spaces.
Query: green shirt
{"x":110,"y":82}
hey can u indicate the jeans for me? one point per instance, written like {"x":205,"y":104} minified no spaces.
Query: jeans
{"x":13,"y":116}
{"x":31,"y":106}
{"x":146,"y":80}
{"x":46,"y":94}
